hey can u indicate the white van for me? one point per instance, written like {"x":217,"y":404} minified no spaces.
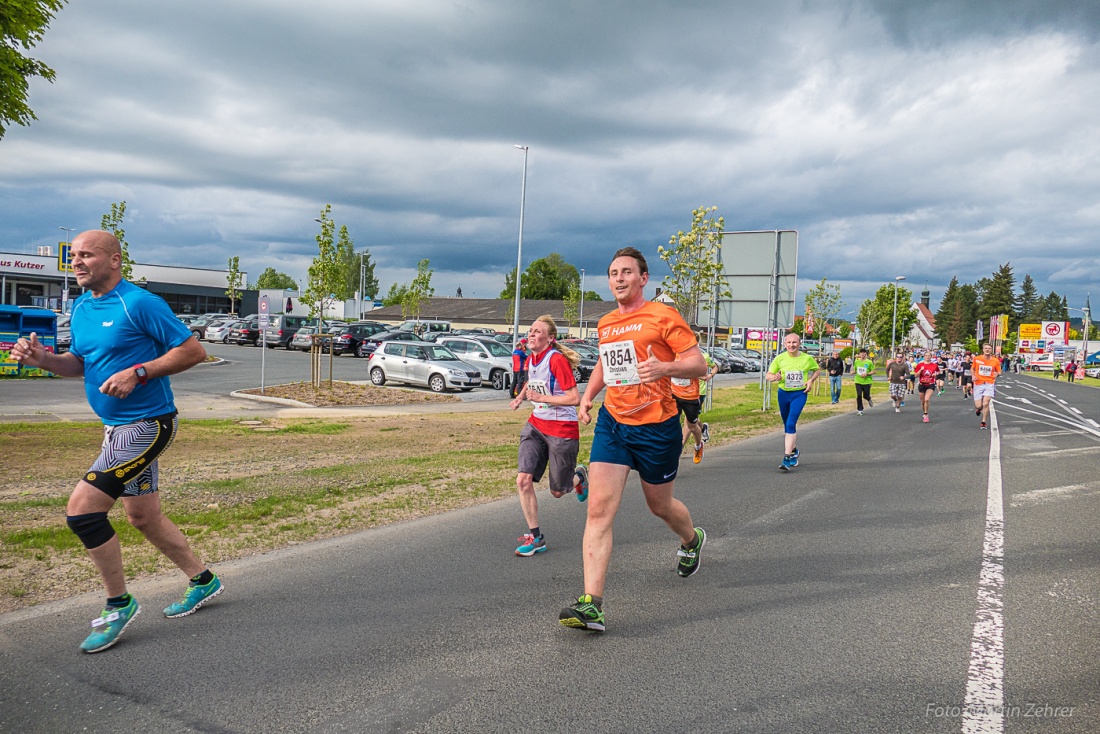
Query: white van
{"x":425,"y":326}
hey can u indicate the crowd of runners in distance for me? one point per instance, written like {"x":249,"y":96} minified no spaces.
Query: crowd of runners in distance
{"x":930,"y":372}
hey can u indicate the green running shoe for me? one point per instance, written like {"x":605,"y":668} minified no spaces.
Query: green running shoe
{"x":583,"y":615}
{"x":690,"y":560}
{"x":195,"y":596}
{"x":109,"y":626}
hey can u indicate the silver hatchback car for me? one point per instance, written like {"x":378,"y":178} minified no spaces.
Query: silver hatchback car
{"x":421,"y":363}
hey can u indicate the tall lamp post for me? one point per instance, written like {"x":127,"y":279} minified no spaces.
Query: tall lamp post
{"x":65,"y":293}
{"x":519,"y":252}
{"x":580,"y":317}
{"x":894,"y":327}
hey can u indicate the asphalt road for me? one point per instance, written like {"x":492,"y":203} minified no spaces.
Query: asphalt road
{"x":863,"y":592}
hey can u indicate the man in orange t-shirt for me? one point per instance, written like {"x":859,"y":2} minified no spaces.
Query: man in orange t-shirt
{"x":637,"y":428}
{"x":983,"y":372}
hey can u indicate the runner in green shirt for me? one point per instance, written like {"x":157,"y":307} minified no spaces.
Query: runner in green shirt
{"x":796,"y":373}
{"x":863,"y":368}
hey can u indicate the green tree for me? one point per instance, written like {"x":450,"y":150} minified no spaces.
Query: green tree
{"x":396,"y":295}
{"x":548,"y":278}
{"x":419,"y":291}
{"x":23,"y":23}
{"x":881,"y":318}
{"x":112,"y":222}
{"x":356,"y":266}
{"x":692,"y":257}
{"x":235,"y":281}
{"x":998,"y":295}
{"x":271,"y":279}
{"x":1027,"y":302}
{"x":1052,"y":309}
{"x":946,"y":313}
{"x":571,"y":304}
{"x":325,"y":277}
{"x":824,"y":302}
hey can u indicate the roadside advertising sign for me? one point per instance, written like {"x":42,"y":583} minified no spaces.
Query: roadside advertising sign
{"x":1031,"y":332}
{"x":1056,"y":332}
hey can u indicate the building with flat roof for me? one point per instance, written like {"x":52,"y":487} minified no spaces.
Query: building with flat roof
{"x":39,"y":280}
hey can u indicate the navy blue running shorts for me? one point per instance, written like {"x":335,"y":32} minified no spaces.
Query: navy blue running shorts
{"x":652,"y":450}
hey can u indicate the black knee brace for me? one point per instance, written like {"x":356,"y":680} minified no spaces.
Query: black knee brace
{"x":93,"y":529}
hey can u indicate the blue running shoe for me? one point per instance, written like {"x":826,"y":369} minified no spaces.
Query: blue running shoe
{"x":580,"y":483}
{"x":109,"y":626}
{"x":530,"y":545}
{"x":195,"y":596}
{"x":794,"y":458}
{"x":786,"y":465}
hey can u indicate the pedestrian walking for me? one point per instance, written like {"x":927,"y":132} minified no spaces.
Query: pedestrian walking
{"x":125,"y":344}
{"x":835,"y":369}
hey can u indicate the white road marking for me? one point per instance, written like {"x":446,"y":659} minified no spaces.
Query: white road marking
{"x":983,"y":708}
{"x":1075,"y":410}
{"x":1094,"y":423}
{"x":1042,"y":496}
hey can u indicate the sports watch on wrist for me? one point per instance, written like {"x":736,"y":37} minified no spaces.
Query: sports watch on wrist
{"x":142,"y":375}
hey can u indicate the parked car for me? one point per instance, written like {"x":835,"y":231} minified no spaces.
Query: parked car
{"x":281,"y":328}
{"x":347,"y":337}
{"x":371,"y":343}
{"x":1043,"y":362}
{"x":421,"y":363}
{"x":218,"y":331}
{"x":245,"y":332}
{"x":753,"y":357}
{"x":198,"y":325}
{"x":303,"y":339}
{"x":1092,"y":372}
{"x":488,"y":355}
{"x":424,"y":326}
{"x":736,"y":364}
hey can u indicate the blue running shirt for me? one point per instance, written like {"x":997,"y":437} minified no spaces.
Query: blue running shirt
{"x":116,"y":331}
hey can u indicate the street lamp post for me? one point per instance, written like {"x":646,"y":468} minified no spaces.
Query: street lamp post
{"x":519,"y":251}
{"x":580,"y":317}
{"x":894,"y":326}
{"x":65,"y":293}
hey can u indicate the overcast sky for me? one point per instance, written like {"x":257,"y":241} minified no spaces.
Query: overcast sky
{"x":926,"y":139}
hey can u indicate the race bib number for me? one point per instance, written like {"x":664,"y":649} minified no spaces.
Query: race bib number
{"x":985,"y":370}
{"x":794,"y":380}
{"x":861,"y":370}
{"x":681,"y":382}
{"x":620,"y":363}
{"x":540,"y":387}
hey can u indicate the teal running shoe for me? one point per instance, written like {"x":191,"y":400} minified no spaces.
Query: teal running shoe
{"x":530,"y":545}
{"x":110,"y":625}
{"x":195,"y":596}
{"x":583,"y":615}
{"x":580,"y":483}
{"x":794,"y":457}
{"x":690,"y":560}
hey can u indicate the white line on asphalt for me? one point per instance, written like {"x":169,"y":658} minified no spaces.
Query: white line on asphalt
{"x":780,"y":514}
{"x":1063,"y":402}
{"x":983,"y":709}
{"x":1075,"y":410}
{"x":1079,"y":426}
{"x":1090,"y":420}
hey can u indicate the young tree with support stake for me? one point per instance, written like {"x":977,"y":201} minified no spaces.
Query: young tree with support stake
{"x":235,"y":279}
{"x":692,"y":257}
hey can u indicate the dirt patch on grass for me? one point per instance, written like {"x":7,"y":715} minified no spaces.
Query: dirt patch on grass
{"x":348,"y":394}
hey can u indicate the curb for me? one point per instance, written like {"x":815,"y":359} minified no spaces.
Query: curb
{"x":265,"y":399}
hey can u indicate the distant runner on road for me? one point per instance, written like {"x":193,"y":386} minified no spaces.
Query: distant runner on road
{"x":984,"y":371}
{"x":927,"y":372}
{"x":863,"y":369}
{"x":796,"y":372}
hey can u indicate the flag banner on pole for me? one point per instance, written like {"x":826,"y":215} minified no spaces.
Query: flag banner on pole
{"x":981,"y":330}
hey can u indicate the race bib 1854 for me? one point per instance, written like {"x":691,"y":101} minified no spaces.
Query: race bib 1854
{"x":620,"y":363}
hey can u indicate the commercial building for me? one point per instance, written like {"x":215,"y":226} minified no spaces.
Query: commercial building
{"x":39,"y":280}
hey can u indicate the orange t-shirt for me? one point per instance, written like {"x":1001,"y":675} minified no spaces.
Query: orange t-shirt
{"x":625,"y":339}
{"x":985,"y":369}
